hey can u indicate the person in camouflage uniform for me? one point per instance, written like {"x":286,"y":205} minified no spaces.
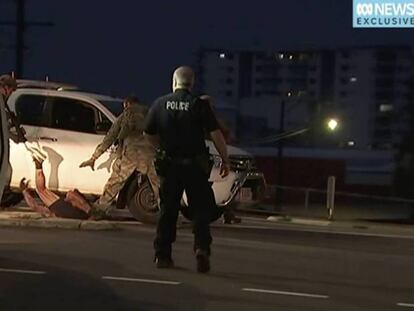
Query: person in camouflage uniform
{"x":134,"y":152}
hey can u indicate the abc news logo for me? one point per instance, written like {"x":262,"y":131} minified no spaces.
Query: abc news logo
{"x":385,"y":9}
{"x":365,"y":9}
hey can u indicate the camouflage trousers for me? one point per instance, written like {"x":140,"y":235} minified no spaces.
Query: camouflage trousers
{"x":122,"y":169}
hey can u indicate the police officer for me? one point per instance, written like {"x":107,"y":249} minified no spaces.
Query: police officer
{"x":134,"y":152}
{"x":176,"y":123}
{"x":8,"y":85}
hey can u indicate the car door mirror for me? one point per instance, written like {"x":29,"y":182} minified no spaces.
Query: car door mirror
{"x":103,"y":127}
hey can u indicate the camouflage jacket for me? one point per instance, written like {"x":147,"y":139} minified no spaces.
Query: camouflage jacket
{"x":127,"y":131}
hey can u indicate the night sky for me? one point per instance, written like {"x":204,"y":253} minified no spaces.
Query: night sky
{"x":118,"y":47}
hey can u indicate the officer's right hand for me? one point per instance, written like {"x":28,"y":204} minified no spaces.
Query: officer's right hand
{"x":90,"y":162}
{"x":224,"y":169}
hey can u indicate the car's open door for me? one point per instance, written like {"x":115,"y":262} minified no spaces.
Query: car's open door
{"x":4,"y":146}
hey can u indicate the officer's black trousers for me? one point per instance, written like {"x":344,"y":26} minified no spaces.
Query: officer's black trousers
{"x":191,"y":178}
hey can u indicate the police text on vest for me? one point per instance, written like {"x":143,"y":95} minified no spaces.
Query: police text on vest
{"x":175,"y":105}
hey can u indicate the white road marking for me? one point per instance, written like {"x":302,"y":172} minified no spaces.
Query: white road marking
{"x":22,"y":271}
{"x":113,"y":278}
{"x":277,"y":292}
{"x":406,"y":305}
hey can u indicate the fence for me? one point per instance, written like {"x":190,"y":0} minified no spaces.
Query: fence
{"x":314,"y":203}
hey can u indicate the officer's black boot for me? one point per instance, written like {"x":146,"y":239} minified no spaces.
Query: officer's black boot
{"x":203,"y":261}
{"x":164,"y":262}
{"x":162,"y":257}
{"x":230,"y":218}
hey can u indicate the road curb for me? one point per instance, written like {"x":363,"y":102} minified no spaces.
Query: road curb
{"x":98,"y":225}
{"x":57,"y":223}
{"x":299,"y":221}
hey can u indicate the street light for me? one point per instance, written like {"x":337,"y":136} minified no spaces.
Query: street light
{"x":332,"y":124}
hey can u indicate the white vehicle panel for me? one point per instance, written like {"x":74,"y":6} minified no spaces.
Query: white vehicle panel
{"x":221,"y":186}
{"x":65,"y":151}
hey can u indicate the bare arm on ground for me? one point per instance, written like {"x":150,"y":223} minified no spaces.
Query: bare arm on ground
{"x":220,"y":144}
{"x":31,"y":202}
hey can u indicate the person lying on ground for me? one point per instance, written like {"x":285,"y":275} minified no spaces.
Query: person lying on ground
{"x":74,"y":205}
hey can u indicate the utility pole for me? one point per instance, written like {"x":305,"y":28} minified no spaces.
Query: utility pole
{"x":279,"y":172}
{"x":21,"y":25}
{"x":20,"y":30}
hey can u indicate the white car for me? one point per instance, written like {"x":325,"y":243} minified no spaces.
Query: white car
{"x":67,"y":125}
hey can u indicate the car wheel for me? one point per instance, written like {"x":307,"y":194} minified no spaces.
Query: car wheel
{"x":141,"y":202}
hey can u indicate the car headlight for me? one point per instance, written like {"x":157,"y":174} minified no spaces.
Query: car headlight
{"x":242,"y":163}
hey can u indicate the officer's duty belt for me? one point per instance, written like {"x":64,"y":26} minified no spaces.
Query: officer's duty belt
{"x":183,"y":160}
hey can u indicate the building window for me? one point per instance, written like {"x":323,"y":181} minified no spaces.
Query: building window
{"x":344,"y":81}
{"x":385,"y":69}
{"x":343,"y":94}
{"x":385,"y":82}
{"x":385,"y":95}
{"x":345,"y":67}
{"x":222,"y":55}
{"x":383,"y":133}
{"x":386,"y":55}
{"x":260,"y":56}
{"x":272,"y":93}
{"x":353,"y":79}
{"x":351,"y":143}
{"x":386,"y":108}
{"x":229,"y":80}
{"x":229,"y":93}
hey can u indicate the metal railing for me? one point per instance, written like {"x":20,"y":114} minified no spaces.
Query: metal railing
{"x":316,"y":203}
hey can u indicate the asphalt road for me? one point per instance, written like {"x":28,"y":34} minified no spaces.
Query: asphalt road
{"x":256,"y":267}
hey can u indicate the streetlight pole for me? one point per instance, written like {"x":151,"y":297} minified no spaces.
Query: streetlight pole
{"x":279,"y":169}
{"x":20,"y":31}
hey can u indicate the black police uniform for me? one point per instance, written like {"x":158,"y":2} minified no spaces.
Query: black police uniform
{"x":180,"y":119}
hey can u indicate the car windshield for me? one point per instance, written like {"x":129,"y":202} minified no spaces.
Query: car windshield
{"x":115,"y":106}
